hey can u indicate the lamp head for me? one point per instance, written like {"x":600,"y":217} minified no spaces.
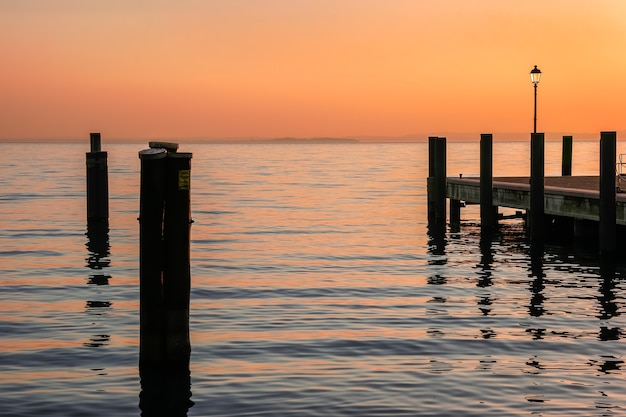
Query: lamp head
{"x":535,"y":75}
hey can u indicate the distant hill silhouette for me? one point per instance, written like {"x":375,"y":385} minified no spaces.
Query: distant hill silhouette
{"x":308,"y":140}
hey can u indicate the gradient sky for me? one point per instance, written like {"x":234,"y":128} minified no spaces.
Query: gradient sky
{"x":308,"y":68}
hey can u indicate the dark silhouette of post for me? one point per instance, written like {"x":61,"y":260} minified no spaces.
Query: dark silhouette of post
{"x":608,"y":213}
{"x":430,"y":182}
{"x":97,"y":182}
{"x":436,"y":187}
{"x":176,"y":271}
{"x":151,"y":206}
{"x":165,"y":278}
{"x":537,"y":181}
{"x":566,"y":158}
{"x":488,"y":212}
{"x":440,"y":180}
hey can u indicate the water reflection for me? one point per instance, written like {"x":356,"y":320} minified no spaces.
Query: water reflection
{"x":537,"y":285}
{"x":98,"y":251}
{"x":485,"y":273}
{"x":437,"y":247}
{"x":166,"y":392}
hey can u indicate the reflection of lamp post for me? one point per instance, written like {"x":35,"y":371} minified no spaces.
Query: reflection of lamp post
{"x":535,"y":76}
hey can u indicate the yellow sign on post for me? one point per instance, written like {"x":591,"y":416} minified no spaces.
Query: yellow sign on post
{"x":183,"y":179}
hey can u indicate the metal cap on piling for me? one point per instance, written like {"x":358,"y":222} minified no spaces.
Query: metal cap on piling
{"x":152,"y":153}
{"x":169,"y":146}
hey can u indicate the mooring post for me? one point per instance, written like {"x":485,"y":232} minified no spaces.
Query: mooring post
{"x":608,"y":210}
{"x":566,"y":165}
{"x":151,"y":206}
{"x":455,"y":212}
{"x":440,"y":180}
{"x":537,"y":181}
{"x":430,"y":181}
{"x":488,"y":218}
{"x":176,"y":271}
{"x":97,"y":182}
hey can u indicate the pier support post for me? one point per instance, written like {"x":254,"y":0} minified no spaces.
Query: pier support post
{"x":537,"y":181}
{"x":455,"y":212}
{"x":436,"y":181}
{"x":430,"y":182}
{"x":488,"y":213}
{"x":566,"y":157}
{"x":97,"y":182}
{"x":608,"y":213}
{"x":440,"y":180}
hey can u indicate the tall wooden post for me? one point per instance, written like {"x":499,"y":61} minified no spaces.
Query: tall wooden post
{"x":566,"y":165}
{"x":537,"y":181}
{"x":608,"y":212}
{"x":430,"y":181}
{"x":97,"y":182}
{"x":440,"y":180}
{"x":176,"y":271}
{"x":488,"y":212}
{"x":165,"y":278}
{"x":151,"y":205}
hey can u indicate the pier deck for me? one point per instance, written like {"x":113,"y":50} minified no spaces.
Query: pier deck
{"x":576,"y":197}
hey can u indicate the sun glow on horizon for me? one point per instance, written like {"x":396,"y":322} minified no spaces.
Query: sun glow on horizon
{"x":280,"y":68}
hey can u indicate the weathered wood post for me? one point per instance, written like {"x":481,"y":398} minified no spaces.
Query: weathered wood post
{"x":151,"y":206}
{"x":566,"y":157}
{"x":176,"y":271}
{"x":165,"y":278}
{"x":455,"y":213}
{"x":430,"y":181}
{"x":537,"y":181}
{"x":440,"y":180}
{"x":97,"y":182}
{"x":608,"y":211}
{"x":488,"y":212}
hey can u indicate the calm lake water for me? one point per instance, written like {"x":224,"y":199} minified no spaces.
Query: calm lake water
{"x":316,"y":290}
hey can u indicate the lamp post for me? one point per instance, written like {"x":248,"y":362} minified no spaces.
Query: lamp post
{"x":535,"y":76}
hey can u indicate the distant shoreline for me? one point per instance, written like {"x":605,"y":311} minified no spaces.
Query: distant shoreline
{"x":451,"y":137}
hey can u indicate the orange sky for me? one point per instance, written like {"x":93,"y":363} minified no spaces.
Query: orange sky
{"x":307,"y":68}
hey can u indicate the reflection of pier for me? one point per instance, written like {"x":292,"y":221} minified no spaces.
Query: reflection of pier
{"x":562,"y":209}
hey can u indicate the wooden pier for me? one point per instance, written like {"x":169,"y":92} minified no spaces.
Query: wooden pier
{"x":577,"y":206}
{"x":575,"y":197}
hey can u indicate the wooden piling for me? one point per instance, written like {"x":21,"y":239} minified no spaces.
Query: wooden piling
{"x":455,"y":212}
{"x":151,"y":206}
{"x":608,"y":211}
{"x":165,"y":278}
{"x":176,"y":271}
{"x":488,"y":212}
{"x":97,"y":182}
{"x":537,"y":181}
{"x":430,"y":181}
{"x":440,"y":181}
{"x":566,"y":156}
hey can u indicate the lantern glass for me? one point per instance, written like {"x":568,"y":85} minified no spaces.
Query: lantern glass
{"x":535,"y":75}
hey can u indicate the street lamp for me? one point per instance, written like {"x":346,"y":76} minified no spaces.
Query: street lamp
{"x":535,"y":76}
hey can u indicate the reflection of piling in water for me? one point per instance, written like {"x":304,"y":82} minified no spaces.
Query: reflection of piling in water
{"x":165,"y":279}
{"x":97,"y":182}
{"x":98,"y":251}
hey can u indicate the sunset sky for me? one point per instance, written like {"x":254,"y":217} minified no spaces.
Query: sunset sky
{"x":308,"y":68}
